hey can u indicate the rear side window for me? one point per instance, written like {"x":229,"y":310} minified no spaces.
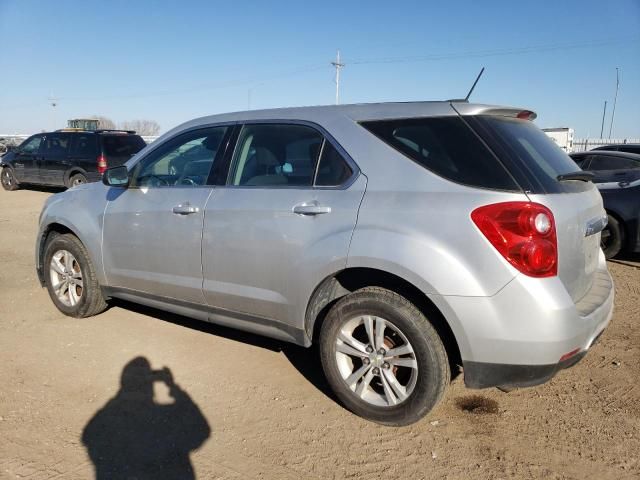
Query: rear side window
{"x":606,"y":162}
{"x":633,"y":149}
{"x":333,"y":169}
{"x":121,"y":145}
{"x":276,"y":155}
{"x":56,"y":144}
{"x":447,"y":147}
{"x":84,"y":145}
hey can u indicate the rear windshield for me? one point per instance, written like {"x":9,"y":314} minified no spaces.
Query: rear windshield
{"x":447,"y":147}
{"x":535,"y":153}
{"x":122,"y":145}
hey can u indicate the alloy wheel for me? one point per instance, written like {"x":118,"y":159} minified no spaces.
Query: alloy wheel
{"x":376,"y":360}
{"x":66,"y":278}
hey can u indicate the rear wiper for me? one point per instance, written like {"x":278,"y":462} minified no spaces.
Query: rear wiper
{"x":580,"y":175}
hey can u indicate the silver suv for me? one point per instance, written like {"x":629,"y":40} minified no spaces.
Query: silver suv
{"x":405,"y":239}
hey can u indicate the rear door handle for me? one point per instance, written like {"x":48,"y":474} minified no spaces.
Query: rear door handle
{"x":311,"y":209}
{"x":185,"y":209}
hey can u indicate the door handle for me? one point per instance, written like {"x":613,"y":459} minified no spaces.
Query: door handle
{"x":311,"y":209}
{"x":185,"y":209}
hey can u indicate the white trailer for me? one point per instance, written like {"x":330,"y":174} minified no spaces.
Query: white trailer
{"x":563,"y":137}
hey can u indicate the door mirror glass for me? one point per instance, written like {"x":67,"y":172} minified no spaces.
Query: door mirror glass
{"x":116,"y":177}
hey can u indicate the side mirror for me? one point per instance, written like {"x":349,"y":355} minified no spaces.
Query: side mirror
{"x":116,"y":177}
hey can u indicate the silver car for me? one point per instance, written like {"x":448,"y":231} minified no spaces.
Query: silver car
{"x":405,"y":239}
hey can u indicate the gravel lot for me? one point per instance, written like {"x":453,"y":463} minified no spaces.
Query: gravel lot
{"x":260,"y":409}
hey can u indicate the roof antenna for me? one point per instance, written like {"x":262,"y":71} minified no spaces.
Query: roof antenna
{"x":466,"y":99}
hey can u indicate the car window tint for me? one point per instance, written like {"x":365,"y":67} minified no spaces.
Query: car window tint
{"x":56,"y":144}
{"x":605,"y":162}
{"x":122,"y":145}
{"x":447,"y":147}
{"x":333,"y":170}
{"x":276,"y":155}
{"x":183,"y":161}
{"x":84,"y":145}
{"x":581,"y":161}
{"x":31,"y":145}
{"x":634,"y":149}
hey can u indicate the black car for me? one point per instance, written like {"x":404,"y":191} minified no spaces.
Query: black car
{"x":67,"y":157}
{"x":617,"y":175}
{"x":621,"y":147}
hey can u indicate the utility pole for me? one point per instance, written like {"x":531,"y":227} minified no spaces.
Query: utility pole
{"x":338,"y":66}
{"x":615,"y":99}
{"x":603,"y":115}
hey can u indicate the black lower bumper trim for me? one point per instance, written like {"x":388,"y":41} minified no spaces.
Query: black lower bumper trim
{"x":485,"y":375}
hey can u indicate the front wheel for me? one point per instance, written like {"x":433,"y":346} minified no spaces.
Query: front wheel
{"x":382,"y":357}
{"x":70,"y":277}
{"x":8,"y":179}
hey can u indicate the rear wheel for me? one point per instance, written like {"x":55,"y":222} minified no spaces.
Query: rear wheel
{"x":70,"y":277}
{"x":77,"y":179}
{"x":612,"y":238}
{"x":382,"y":357}
{"x":8,"y":179}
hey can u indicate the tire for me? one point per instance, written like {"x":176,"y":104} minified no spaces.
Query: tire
{"x":421,"y":372}
{"x":83,"y":299}
{"x":8,"y":179}
{"x":76,"y":179}
{"x":612,"y":238}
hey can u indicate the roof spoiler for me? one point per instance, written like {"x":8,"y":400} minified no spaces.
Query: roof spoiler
{"x":465,"y":108}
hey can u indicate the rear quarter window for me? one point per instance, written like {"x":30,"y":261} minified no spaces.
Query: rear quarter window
{"x":122,"y":145}
{"x":447,"y":147}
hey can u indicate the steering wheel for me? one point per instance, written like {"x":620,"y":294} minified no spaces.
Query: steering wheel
{"x":155,"y":181}
{"x":187,"y":181}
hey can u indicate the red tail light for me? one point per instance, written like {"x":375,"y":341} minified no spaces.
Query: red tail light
{"x":524,"y":233}
{"x":102,"y":163}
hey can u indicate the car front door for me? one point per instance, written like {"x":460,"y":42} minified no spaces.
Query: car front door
{"x":24,"y":163}
{"x":152,"y":230}
{"x":54,"y":158}
{"x":281,"y":224}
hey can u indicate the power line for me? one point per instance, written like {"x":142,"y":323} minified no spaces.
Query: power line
{"x":491,"y":53}
{"x":615,"y":99}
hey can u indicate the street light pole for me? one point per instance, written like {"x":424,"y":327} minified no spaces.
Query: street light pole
{"x":615,"y":99}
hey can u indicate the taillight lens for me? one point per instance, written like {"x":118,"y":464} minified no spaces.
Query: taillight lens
{"x":524,"y":233}
{"x":102,"y":163}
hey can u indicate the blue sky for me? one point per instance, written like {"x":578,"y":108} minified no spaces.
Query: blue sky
{"x":173,"y":61}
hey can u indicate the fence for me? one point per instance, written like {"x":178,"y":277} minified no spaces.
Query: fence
{"x":584,"y":144}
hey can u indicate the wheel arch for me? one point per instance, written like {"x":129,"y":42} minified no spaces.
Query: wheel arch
{"x":51,"y":229}
{"x":343,"y":282}
{"x":72,"y":171}
{"x":623,"y":227}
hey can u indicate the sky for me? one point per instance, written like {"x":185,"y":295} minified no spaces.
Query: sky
{"x":174,"y":61}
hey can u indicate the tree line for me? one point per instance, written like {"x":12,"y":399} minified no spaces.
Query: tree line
{"x":142,"y":127}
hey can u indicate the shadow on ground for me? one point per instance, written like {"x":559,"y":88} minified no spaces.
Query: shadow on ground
{"x":132,"y":436}
{"x":305,"y":360}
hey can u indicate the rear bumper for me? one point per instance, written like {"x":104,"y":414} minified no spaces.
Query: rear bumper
{"x":522,"y":335}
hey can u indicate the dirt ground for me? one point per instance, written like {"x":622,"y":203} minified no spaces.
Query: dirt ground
{"x":257,"y":408}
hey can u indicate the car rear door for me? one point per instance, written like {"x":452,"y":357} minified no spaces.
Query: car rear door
{"x":54,"y":158}
{"x":153,"y":229}
{"x":281,"y":224}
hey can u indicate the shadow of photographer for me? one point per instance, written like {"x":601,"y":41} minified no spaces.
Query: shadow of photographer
{"x":133,"y":437}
